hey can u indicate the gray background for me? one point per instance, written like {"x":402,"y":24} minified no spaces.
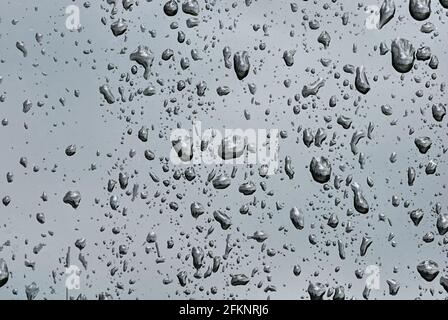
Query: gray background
{"x":93,"y":125}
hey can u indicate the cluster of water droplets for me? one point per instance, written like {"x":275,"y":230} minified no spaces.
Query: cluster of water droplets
{"x":88,"y":177}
